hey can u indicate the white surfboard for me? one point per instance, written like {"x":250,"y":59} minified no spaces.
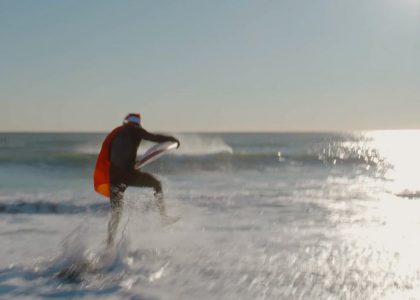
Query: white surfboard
{"x":154,"y":153}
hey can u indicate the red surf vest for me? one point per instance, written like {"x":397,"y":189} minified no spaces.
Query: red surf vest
{"x":101,"y":175}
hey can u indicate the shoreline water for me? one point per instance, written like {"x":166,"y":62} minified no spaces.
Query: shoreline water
{"x":266,"y":216}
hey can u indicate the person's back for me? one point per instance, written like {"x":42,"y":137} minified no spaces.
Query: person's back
{"x":123,"y":153}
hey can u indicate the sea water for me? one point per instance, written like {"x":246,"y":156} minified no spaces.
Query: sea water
{"x":263,"y":216}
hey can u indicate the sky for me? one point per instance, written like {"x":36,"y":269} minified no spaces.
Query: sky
{"x":191,"y":65}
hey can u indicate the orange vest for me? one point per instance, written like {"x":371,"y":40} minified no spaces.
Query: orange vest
{"x":101,"y":175}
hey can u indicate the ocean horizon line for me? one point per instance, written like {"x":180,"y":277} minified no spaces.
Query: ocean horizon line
{"x":219,"y":131}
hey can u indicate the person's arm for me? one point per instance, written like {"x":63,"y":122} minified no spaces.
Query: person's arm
{"x":157,"y":138}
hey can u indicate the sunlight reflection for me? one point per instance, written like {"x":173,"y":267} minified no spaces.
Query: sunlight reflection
{"x":386,"y":228}
{"x":400,"y":149}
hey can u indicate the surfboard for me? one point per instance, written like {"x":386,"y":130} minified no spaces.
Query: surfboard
{"x":154,"y":153}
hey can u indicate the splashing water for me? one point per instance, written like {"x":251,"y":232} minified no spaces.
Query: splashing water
{"x":193,"y":144}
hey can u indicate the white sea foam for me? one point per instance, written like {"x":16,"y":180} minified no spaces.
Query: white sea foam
{"x":194,"y":144}
{"x":88,"y":148}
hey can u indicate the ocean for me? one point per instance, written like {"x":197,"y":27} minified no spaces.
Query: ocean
{"x":262,"y":216}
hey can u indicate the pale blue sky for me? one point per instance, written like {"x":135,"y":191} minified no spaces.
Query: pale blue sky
{"x":210,"y":65}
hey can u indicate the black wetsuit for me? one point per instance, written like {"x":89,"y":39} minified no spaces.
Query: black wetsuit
{"x":123,"y":152}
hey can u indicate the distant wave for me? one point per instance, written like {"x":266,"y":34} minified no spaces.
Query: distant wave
{"x":409,"y":194}
{"x":44,"y":207}
{"x":212,"y":152}
{"x":85,"y":154}
{"x":185,"y":159}
{"x":192,"y":144}
{"x":88,"y":149}
{"x":50,"y":159}
{"x":308,"y":158}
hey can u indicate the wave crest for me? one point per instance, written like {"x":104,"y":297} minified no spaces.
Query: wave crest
{"x":192,"y":144}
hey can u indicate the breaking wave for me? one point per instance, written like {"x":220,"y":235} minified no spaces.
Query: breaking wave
{"x":201,"y":145}
{"x":207,"y":151}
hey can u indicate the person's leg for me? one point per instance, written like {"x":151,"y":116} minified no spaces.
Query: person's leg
{"x":142,"y":179}
{"x":116,"y":199}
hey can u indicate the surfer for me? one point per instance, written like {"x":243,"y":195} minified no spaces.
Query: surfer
{"x":114,"y":170}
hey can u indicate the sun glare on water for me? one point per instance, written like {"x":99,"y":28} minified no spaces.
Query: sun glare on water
{"x":397,"y":211}
{"x":400,"y":150}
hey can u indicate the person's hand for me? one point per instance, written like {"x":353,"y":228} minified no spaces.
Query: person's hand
{"x":177,"y":141}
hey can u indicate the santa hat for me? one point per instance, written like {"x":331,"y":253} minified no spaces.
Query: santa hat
{"x":132,"y":118}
